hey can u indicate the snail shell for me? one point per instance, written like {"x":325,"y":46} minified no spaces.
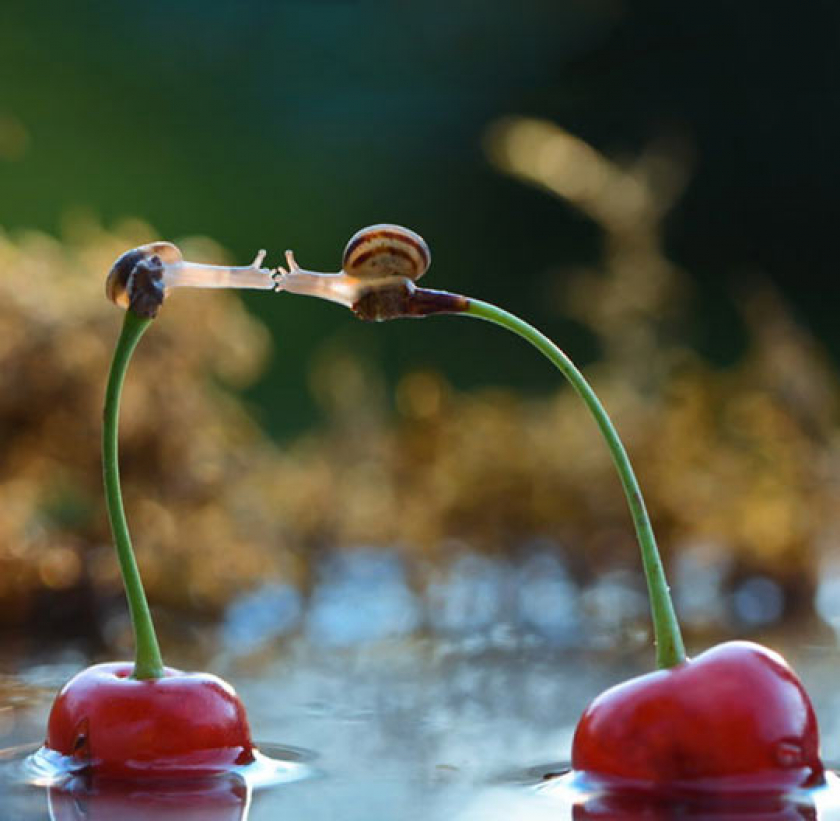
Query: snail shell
{"x":136,"y":278}
{"x":385,"y":251}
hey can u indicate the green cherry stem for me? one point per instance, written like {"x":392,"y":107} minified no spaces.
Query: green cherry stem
{"x":148,"y":663}
{"x":670,"y":650}
{"x":377,"y":282}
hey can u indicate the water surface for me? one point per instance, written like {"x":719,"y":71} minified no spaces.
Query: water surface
{"x":429,"y":727}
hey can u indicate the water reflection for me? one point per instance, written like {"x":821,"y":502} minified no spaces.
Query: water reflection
{"x":552,"y":792}
{"x":407,"y":730}
{"x":417,"y":686}
{"x":632,"y":808}
{"x":29,"y":776}
{"x":222,"y":799}
{"x":504,"y":804}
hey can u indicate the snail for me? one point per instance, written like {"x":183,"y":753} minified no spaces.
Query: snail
{"x":379,"y":267}
{"x":140,"y":278}
{"x":143,"y":720}
{"x":386,"y":251}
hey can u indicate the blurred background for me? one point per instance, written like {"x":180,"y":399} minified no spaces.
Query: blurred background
{"x":652,"y":184}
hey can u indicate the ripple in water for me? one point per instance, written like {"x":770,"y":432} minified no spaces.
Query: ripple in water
{"x":272,"y":765}
{"x":555,"y":791}
{"x":73,"y":794}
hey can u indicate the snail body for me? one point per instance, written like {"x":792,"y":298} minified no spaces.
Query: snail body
{"x":140,"y":278}
{"x":379,"y":267}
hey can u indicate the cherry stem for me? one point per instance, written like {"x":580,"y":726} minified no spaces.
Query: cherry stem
{"x":670,"y":650}
{"x":148,"y":663}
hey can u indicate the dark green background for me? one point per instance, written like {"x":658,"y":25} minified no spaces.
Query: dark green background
{"x":292,"y":124}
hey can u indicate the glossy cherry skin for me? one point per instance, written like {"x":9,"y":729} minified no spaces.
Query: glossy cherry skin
{"x":734,"y":719}
{"x":183,"y":725}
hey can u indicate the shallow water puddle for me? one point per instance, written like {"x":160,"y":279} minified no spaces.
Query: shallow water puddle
{"x":462,"y":729}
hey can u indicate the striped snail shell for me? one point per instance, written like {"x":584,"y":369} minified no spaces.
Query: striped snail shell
{"x":383,"y":251}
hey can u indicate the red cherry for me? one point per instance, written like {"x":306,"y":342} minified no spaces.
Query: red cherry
{"x":735,"y":718}
{"x":181,"y":725}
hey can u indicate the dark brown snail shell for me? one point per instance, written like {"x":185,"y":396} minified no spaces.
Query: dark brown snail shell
{"x":135,"y":280}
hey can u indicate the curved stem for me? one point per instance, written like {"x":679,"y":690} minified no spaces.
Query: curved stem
{"x":148,"y":663}
{"x":669,"y":644}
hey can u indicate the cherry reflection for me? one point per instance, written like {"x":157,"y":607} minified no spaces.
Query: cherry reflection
{"x":213,"y":799}
{"x":633,"y":807}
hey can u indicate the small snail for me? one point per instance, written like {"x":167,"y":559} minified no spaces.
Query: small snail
{"x":380,"y":265}
{"x":140,"y":278}
{"x":385,"y":251}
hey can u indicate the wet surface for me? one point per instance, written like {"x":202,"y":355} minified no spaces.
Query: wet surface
{"x":468,"y":727}
{"x":382,"y":697}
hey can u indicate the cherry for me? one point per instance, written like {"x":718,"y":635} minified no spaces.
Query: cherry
{"x":178,"y":725}
{"x":736,"y":715}
{"x":128,"y":720}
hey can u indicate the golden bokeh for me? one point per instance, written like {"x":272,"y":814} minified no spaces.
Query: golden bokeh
{"x":743,"y":460}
